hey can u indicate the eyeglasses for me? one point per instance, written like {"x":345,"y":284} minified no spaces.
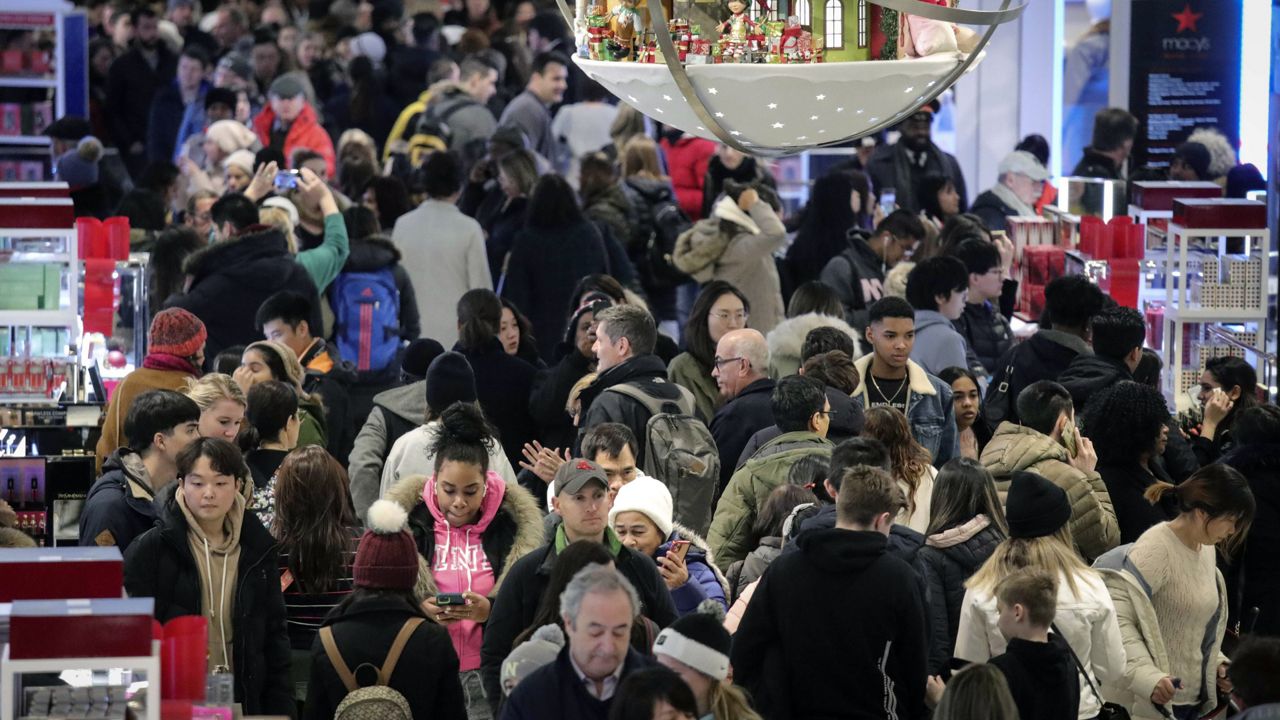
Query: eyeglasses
{"x":828,"y":413}
{"x":721,"y":361}
{"x":725,"y":316}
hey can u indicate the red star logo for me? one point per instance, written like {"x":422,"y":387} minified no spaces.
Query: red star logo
{"x":1187,"y":19}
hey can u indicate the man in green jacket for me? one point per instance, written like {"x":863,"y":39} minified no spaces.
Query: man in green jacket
{"x":803,"y":414}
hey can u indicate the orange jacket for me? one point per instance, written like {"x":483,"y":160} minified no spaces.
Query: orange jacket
{"x":306,"y":132}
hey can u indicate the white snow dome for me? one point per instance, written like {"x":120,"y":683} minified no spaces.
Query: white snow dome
{"x":783,"y":108}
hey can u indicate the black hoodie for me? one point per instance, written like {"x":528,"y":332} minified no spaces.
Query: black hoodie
{"x":1042,"y":678}
{"x":1088,"y":375}
{"x":835,"y":630}
{"x":1254,"y":581}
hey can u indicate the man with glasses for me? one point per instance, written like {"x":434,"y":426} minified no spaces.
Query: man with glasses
{"x":983,"y":326}
{"x":582,"y":500}
{"x":803,"y":414}
{"x":1020,"y":184}
{"x":741,"y":372}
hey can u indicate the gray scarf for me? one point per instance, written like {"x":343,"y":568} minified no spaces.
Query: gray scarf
{"x":1008,"y":197}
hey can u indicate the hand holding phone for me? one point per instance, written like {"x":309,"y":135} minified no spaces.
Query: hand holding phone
{"x":679,"y":549}
{"x":888,"y":200}
{"x":286,"y":180}
{"x":445,"y":600}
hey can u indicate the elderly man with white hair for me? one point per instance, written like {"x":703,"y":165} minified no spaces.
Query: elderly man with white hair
{"x":597,"y":607}
{"x":742,"y":373}
{"x":1020,"y":184}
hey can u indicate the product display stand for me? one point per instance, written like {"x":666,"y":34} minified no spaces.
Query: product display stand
{"x":1208,"y":285}
{"x":12,"y":670}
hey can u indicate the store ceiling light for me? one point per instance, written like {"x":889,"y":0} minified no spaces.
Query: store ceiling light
{"x":784,"y":108}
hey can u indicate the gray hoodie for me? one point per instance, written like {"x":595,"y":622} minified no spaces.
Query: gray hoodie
{"x":938,"y":344}
{"x":395,"y":411}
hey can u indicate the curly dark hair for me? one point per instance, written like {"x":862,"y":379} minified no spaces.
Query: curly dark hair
{"x":1124,"y":421}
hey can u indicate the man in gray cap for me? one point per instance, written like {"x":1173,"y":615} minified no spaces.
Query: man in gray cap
{"x":289,"y":122}
{"x":1020,"y":183}
{"x":582,"y":499}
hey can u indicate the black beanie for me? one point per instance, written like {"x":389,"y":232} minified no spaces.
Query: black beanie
{"x":1035,"y":507}
{"x":418,"y":357}
{"x":699,"y":640}
{"x":449,"y":380}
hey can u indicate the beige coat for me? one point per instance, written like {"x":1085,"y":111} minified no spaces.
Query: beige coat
{"x":744,"y":260}
{"x":1144,"y":648}
{"x":1093,"y":520}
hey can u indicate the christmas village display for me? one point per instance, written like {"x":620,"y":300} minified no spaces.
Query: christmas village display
{"x":621,"y":32}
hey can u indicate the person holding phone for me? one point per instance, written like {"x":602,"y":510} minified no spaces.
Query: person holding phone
{"x":1047,"y":443}
{"x":470,"y":527}
{"x":642,"y":517}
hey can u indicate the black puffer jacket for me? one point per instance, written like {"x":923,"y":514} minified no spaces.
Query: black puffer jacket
{"x":744,"y":572}
{"x":230,"y":279}
{"x":647,"y":196}
{"x":1254,"y":581}
{"x":159,"y":564}
{"x":993,"y":211}
{"x":948,"y":559}
{"x":1043,"y":356}
{"x":647,"y":372}
{"x":1088,"y":375}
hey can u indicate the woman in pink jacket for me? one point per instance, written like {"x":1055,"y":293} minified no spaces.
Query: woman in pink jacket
{"x":470,"y":528}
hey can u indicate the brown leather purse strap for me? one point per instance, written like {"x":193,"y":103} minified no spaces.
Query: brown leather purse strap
{"x":397,"y":647}
{"x":335,"y":659}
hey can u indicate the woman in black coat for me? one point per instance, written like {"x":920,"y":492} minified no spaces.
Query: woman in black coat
{"x":966,"y":524}
{"x":205,"y":510}
{"x":1254,"y":579}
{"x":503,"y":382}
{"x":1128,"y":425}
{"x":557,"y":247}
{"x":364,"y":626}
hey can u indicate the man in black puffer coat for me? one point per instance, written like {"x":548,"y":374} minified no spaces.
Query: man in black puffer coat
{"x":229,"y":280}
{"x":625,"y":337}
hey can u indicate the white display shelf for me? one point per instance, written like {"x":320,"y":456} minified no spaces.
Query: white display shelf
{"x":1179,"y":311}
{"x":38,"y":318}
{"x":28,"y":82}
{"x":23,"y":140}
{"x":11,"y":669}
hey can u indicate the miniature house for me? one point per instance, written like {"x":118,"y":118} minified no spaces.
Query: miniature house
{"x":844,"y":25}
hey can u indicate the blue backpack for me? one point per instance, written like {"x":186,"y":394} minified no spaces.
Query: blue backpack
{"x":366,"y":309}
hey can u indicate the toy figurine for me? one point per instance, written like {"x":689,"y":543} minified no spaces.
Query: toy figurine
{"x":920,"y":36}
{"x":628,"y":27}
{"x":738,"y":27}
{"x":789,"y":47}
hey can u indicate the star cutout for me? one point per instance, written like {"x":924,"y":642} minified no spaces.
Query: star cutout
{"x":667,"y":98}
{"x":719,"y":114}
{"x":802,"y":137}
{"x":822,"y":97}
{"x":778,"y":125}
{"x":1187,"y":19}
{"x":874,"y":119}
{"x":734,"y":133}
{"x":773,"y":106}
{"x":713,"y":91}
{"x":632,"y":98}
{"x":702,"y":128}
{"x":659,"y":110}
{"x":822,"y":132}
{"x":813,"y":117}
{"x":909,"y":90}
{"x":839,"y":109}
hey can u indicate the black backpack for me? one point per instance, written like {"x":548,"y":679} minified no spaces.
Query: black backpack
{"x":653,"y":254}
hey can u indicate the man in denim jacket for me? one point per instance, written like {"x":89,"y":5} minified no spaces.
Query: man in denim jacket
{"x":888,"y":377}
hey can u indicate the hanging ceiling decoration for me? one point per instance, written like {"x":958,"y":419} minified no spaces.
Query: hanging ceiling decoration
{"x":780,"y":108}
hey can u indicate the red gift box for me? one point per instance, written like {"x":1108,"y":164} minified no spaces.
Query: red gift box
{"x":65,"y":572}
{"x":1224,"y":213}
{"x":50,"y":213}
{"x":1041,"y":264}
{"x":1091,"y":231}
{"x":1122,"y":282}
{"x":80,"y":628}
{"x":11,"y":62}
{"x":1154,"y":195}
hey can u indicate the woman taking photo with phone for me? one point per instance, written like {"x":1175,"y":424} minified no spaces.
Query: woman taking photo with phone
{"x":642,"y":518}
{"x":470,"y":527}
{"x":1171,"y":599}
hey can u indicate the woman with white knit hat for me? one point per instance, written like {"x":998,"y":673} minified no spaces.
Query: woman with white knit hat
{"x":696,"y":646}
{"x":224,"y":141}
{"x":642,"y":516}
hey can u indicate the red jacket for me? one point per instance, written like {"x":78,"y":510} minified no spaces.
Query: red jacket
{"x":305,"y":132}
{"x":687,"y":160}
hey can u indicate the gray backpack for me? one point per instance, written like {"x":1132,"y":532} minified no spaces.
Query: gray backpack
{"x":375,"y":702}
{"x":679,"y":451}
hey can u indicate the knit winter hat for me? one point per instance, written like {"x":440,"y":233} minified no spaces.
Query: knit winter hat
{"x":176,"y":332}
{"x":540,"y":649}
{"x":242,"y":159}
{"x":231,"y":135}
{"x":78,"y":167}
{"x":450,"y":380}
{"x":418,"y":357}
{"x":237,"y":65}
{"x":294,"y":374}
{"x":386,"y":558}
{"x":698,"y":640}
{"x":648,"y":496}
{"x":370,"y":45}
{"x":1035,"y":507}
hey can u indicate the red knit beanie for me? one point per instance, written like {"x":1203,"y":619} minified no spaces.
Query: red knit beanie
{"x":176,"y":332}
{"x":387,"y":558}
